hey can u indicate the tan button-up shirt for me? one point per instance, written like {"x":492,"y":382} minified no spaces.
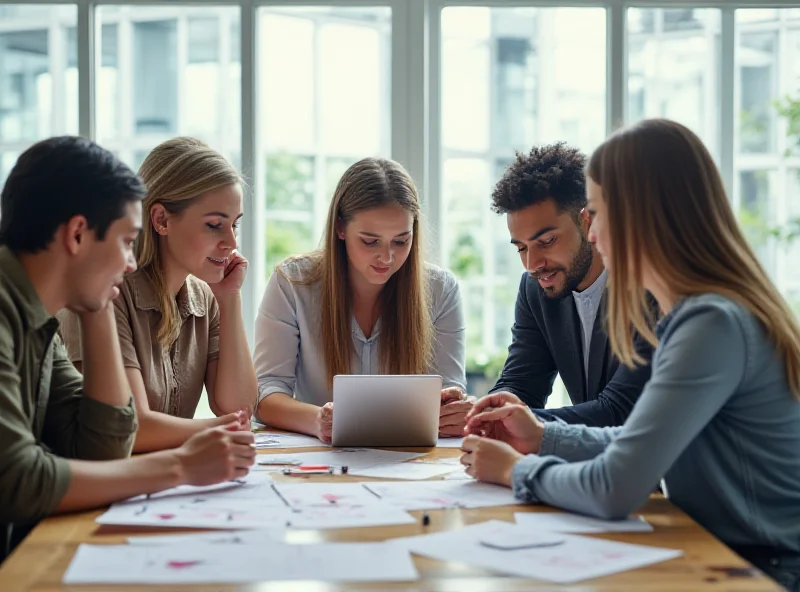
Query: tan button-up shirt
{"x":44,"y":416}
{"x":173,"y":376}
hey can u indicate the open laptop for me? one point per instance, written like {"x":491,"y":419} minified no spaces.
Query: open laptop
{"x":386,"y":410}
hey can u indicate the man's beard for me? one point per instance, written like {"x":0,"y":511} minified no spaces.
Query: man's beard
{"x":575,"y":274}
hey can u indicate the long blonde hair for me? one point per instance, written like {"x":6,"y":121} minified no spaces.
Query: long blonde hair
{"x":176,"y":172}
{"x":667,"y":208}
{"x":406,"y":334}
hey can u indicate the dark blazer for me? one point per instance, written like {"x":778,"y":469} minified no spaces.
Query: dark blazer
{"x":548,"y":340}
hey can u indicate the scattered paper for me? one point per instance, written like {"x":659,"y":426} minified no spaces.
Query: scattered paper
{"x":405,"y":470}
{"x":231,"y":564}
{"x":269,"y":440}
{"x":352,"y":458}
{"x":430,"y":495}
{"x":201,"y":512}
{"x":251,"y":486}
{"x":578,"y":558}
{"x":575,"y":523}
{"x":249,"y":503}
{"x":245,"y":537}
{"x":326,"y":495}
{"x":318,"y":518}
{"x":449,"y":442}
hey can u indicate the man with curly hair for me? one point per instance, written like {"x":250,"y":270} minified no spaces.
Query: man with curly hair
{"x":558,"y":320}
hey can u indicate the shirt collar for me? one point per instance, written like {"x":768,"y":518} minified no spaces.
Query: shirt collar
{"x":594,"y":290}
{"x":33,"y":310}
{"x":190,"y":298}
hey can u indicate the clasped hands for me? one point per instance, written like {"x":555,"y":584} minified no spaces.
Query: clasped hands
{"x":500,"y":430}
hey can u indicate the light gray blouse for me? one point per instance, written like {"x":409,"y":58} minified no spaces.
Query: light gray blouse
{"x":717,"y":422}
{"x":288,"y":353}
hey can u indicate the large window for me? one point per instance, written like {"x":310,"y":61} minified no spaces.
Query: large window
{"x":38,"y":77}
{"x":166,"y":71}
{"x":673,"y":67}
{"x":511,"y":78}
{"x":324,"y":92}
{"x":295,"y":94}
{"x":767,"y":136}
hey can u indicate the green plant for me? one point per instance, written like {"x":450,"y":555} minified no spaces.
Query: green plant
{"x":789,"y":109}
{"x":487,"y":365}
{"x":465,"y":257}
{"x":290,"y":182}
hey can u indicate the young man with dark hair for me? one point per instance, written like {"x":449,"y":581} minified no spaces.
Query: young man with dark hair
{"x":70,"y":214}
{"x":558,"y":323}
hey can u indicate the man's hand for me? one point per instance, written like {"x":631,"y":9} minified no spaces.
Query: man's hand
{"x":514,"y":424}
{"x":216,"y":455}
{"x":495,"y":400}
{"x":489,"y":460}
{"x":325,"y":423}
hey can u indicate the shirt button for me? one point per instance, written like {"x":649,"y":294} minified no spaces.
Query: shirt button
{"x":774,"y":561}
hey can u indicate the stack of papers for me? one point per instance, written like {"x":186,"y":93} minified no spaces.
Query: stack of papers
{"x":255,"y":503}
{"x":573,"y":559}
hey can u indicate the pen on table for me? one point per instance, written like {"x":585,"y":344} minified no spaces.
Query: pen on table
{"x":278,"y":462}
{"x":315,"y":470}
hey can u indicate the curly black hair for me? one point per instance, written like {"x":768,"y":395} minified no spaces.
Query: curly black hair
{"x":554,"y":171}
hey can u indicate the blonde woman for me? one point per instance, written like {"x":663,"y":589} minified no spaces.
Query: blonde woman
{"x":179,"y":316}
{"x":365,"y":303}
{"x":719,"y":420}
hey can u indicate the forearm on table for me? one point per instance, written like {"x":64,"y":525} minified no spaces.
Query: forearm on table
{"x":284,"y":412}
{"x":160,"y":431}
{"x":99,"y":483}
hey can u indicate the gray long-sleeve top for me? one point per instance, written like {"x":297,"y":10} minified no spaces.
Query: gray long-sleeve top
{"x":717,"y":422}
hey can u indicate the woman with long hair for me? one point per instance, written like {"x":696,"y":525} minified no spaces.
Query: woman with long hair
{"x":364,"y":303}
{"x":719,"y":420}
{"x":179,"y":315}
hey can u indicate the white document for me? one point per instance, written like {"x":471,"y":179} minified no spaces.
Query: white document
{"x":326,"y":495}
{"x":267,"y":440}
{"x":574,"y":523}
{"x":352,"y":458}
{"x":250,"y":487}
{"x":317,"y":517}
{"x":245,"y":537}
{"x":233,"y":564}
{"x":405,"y":470}
{"x":250,"y":503}
{"x":430,"y":495}
{"x":449,"y":442}
{"x":206,"y":512}
{"x":578,"y":558}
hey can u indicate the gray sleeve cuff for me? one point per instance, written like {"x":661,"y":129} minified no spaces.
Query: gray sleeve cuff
{"x":110,"y":420}
{"x":522,"y":476}
{"x":550,"y":438}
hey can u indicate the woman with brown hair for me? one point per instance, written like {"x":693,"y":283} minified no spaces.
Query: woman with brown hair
{"x":179,"y":316}
{"x":364,"y":303}
{"x":719,"y":420}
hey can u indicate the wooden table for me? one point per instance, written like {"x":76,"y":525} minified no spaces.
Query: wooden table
{"x":40,"y":561}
